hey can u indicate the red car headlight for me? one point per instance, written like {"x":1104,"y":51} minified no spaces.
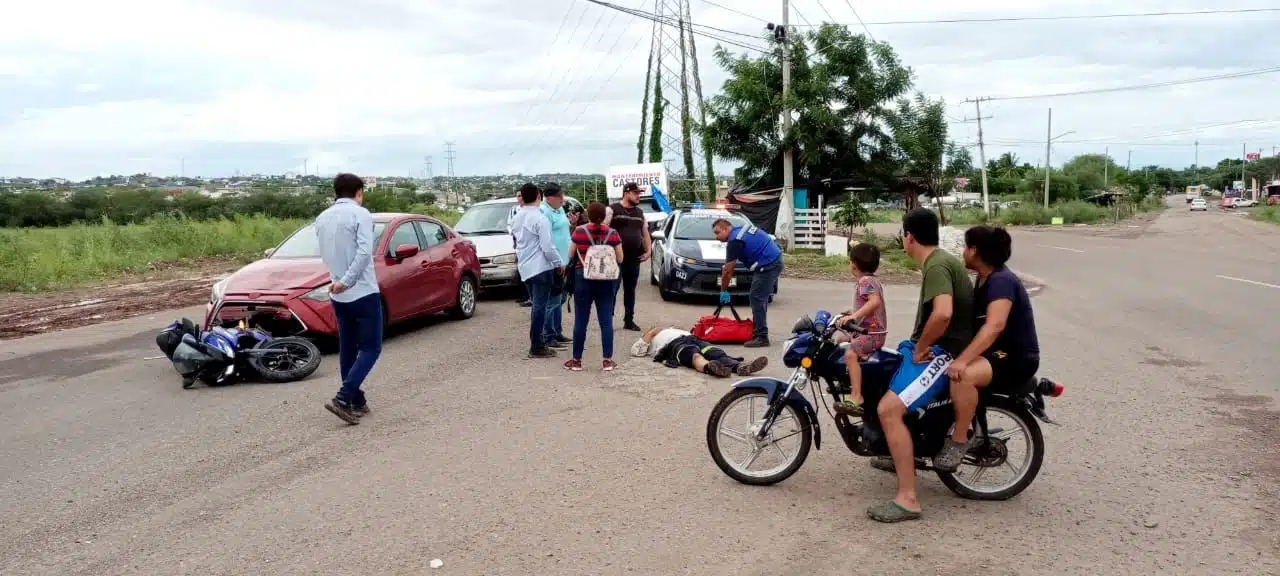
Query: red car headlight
{"x":319,"y":294}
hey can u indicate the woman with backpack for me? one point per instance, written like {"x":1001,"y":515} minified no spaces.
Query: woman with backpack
{"x":597,"y":250}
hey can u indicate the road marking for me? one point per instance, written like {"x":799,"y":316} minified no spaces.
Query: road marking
{"x":1255,"y":282}
{"x":1061,"y":248}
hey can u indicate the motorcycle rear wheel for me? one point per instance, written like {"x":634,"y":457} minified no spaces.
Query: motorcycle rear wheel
{"x":297,"y":358}
{"x":757,"y":401}
{"x":1035,"y":444}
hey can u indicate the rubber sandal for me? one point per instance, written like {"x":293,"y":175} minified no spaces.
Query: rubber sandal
{"x":891,"y":512}
{"x":848,"y":408}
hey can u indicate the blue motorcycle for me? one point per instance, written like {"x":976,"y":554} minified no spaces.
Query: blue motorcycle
{"x":777,"y":411}
{"x":223,"y":356}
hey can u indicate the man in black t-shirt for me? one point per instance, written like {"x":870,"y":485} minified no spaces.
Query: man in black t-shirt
{"x":628,"y":220}
{"x":1005,"y":352}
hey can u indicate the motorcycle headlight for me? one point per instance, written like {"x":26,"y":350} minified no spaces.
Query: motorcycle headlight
{"x":319,"y":294}
{"x":504,"y":259}
{"x":219,"y":288}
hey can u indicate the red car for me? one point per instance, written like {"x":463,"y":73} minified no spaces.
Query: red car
{"x":423,"y":267}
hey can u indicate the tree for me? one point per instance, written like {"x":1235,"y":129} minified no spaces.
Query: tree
{"x":843,"y":91}
{"x":850,"y":214}
{"x":919,"y":129}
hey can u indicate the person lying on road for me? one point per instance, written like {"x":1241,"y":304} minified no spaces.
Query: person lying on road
{"x":675,"y":347}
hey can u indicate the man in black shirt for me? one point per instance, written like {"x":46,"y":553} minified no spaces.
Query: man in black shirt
{"x":1005,"y":352}
{"x":628,"y":220}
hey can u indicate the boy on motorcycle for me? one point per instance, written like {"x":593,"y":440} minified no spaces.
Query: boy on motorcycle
{"x":943,"y":318}
{"x":1005,"y":350}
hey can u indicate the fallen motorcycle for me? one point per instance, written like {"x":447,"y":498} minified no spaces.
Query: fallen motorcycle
{"x":778,"y":411}
{"x":223,"y":356}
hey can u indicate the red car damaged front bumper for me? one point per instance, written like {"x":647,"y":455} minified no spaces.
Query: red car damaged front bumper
{"x":278,"y":314}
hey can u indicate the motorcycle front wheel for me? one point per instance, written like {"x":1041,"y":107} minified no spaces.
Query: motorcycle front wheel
{"x":285,"y":359}
{"x":734,"y":448}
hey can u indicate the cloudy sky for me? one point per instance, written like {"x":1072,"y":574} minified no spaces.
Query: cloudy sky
{"x":375,"y":86}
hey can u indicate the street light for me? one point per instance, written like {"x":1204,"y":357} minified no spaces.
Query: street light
{"x":1048,"y":167}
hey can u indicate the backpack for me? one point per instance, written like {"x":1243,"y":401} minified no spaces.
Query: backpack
{"x":600,"y":261}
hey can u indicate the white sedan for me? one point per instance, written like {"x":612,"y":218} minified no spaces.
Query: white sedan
{"x":1244,"y":203}
{"x":1199,"y":204}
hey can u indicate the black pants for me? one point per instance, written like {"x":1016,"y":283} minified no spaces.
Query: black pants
{"x":688,"y":346}
{"x":628,"y":275}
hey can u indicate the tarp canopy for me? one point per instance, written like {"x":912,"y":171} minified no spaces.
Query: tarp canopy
{"x":759,"y":206}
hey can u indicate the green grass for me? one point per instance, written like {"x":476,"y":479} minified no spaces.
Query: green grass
{"x":884,"y":216}
{"x":36,"y":259}
{"x":893,"y":260}
{"x":1073,"y":212}
{"x":1269,"y":214}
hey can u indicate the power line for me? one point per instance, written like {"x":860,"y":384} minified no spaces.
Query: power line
{"x":617,"y":39}
{"x":796,"y":9}
{"x":669,"y":21}
{"x":550,"y":46}
{"x":735,"y":11}
{"x":556,"y":87}
{"x":999,"y":19}
{"x":864,"y":24}
{"x":830,"y":18}
{"x":1165,"y":134}
{"x":1226,"y":76}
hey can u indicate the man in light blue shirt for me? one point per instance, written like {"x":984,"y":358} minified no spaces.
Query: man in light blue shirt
{"x":553,"y":209}
{"x":345,"y":232}
{"x":538,"y":262}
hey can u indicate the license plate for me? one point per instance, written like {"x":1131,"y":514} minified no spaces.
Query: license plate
{"x":733,"y":282}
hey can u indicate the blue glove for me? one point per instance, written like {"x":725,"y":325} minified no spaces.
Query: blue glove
{"x":724,"y":297}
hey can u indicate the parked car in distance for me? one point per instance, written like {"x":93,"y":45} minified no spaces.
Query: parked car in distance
{"x":687,"y":259}
{"x":1199,"y":204}
{"x":488,"y":226}
{"x":423,"y":267}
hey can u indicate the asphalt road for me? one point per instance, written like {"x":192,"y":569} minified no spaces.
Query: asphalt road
{"x":1167,"y":460}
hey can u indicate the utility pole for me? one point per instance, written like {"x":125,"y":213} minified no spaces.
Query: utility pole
{"x":982,"y":154}
{"x":1129,"y":162}
{"x":1048,"y":167}
{"x":786,"y":209}
{"x":450,"y":156}
{"x":1106,"y":164}
{"x":982,"y":157}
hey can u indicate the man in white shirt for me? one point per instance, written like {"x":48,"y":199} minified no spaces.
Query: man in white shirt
{"x":675,"y":347}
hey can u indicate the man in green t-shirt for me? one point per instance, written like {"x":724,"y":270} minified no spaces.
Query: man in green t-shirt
{"x":945,"y":319}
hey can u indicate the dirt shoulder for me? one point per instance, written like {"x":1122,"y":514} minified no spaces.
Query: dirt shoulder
{"x":168,"y":285}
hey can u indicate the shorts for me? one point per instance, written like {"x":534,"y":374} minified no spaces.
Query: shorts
{"x":866,"y":344}
{"x":1010,"y":372}
{"x":925,"y":388}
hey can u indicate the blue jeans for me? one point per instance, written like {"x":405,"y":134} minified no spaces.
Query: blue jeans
{"x":554,"y":329}
{"x":602,"y":293}
{"x":762,"y":283}
{"x":359,"y":345}
{"x":539,"y":292}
